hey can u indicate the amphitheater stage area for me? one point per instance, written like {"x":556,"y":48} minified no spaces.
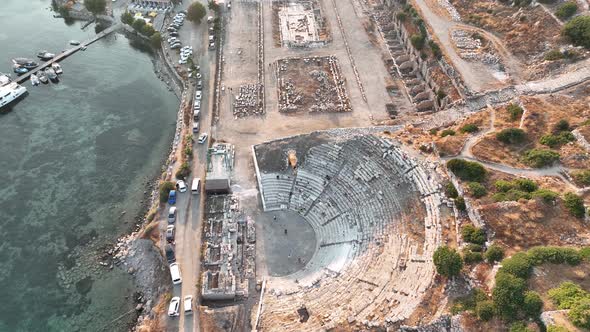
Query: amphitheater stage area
{"x":285,"y":253}
{"x":374,"y":213}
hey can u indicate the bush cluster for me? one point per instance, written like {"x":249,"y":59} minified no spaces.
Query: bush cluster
{"x":165,"y":188}
{"x":448,"y":262}
{"x":467,"y":170}
{"x":450,"y":190}
{"x":553,"y":55}
{"x":511,"y":136}
{"x":141,"y":27}
{"x":578,"y":30}
{"x":183,"y":171}
{"x":514,"y":111}
{"x":538,"y":158}
{"x":469,"y":128}
{"x":477,"y":190}
{"x":521,"y":189}
{"x":447,"y":132}
{"x":582,"y":177}
{"x":495,"y":253}
{"x":574,"y":204}
{"x":571,"y":296}
{"x":473,"y":234}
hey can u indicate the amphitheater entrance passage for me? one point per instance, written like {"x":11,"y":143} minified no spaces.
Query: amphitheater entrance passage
{"x":289,"y":241}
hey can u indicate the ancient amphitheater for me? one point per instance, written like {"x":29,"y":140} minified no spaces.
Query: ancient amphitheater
{"x":375,"y":212}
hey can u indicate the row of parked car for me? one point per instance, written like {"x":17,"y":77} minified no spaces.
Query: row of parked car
{"x":149,"y":6}
{"x":173,"y":28}
{"x":175,"y":274}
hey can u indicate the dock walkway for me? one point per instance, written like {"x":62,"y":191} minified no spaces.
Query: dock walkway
{"x":68,"y":52}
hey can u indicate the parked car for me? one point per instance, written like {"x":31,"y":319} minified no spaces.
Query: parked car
{"x":188,"y":305}
{"x":172,"y":197}
{"x":173,"y":33}
{"x":172,"y":215}
{"x":181,"y":186}
{"x":202,"y":138}
{"x":175,"y":273}
{"x":170,"y":233}
{"x":195,"y":127}
{"x":198,"y":95}
{"x":211,"y":45}
{"x":169,"y":251}
{"x":199,"y":84}
{"x":177,"y":45}
{"x":174,"y":306}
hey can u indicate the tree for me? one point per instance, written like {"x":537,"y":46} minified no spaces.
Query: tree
{"x":156,"y":40}
{"x":484,"y":310}
{"x":448,"y":262}
{"x":511,"y":136}
{"x":213,"y":6}
{"x":514,"y":111}
{"x":195,"y":13}
{"x":567,"y":294}
{"x":417,"y":41}
{"x":473,"y":234}
{"x":518,"y":265}
{"x":147,"y":30}
{"x":450,"y":190}
{"x":578,"y":30}
{"x":495,"y":253}
{"x":95,"y":6}
{"x":532,"y":304}
{"x":538,"y":158}
{"x":138,"y":25}
{"x":508,"y":295}
{"x":183,"y":171}
{"x":574,"y":204}
{"x":460,"y":203}
{"x":566,"y":10}
{"x":165,"y":188}
{"x":127,"y":18}
{"x":467,"y":170}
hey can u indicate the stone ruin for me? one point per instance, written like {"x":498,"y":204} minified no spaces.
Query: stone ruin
{"x":248,"y":101}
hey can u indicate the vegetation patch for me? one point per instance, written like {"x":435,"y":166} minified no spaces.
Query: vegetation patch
{"x":578,"y":30}
{"x":467,"y":170}
{"x":539,"y":158}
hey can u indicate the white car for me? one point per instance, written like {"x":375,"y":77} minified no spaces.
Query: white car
{"x":198,"y":94}
{"x":181,"y":186}
{"x":175,"y":274}
{"x":199,"y":75}
{"x":182,"y":62}
{"x":174,"y":306}
{"x":188,"y":305}
{"x":202,"y":138}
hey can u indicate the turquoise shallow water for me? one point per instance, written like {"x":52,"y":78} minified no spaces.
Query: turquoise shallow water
{"x":74,"y":161}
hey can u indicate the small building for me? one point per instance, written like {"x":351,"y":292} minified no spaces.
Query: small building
{"x":220,"y":162}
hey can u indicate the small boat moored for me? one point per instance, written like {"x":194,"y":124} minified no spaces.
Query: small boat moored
{"x":20,"y":70}
{"x":55,"y":66}
{"x":52,"y":75}
{"x":42,"y":77}
{"x":35,"y":80}
{"x":25,"y":63}
{"x":44,"y":55}
{"x":74,"y":42}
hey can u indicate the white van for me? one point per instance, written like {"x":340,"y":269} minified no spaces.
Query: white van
{"x":195,"y":127}
{"x":195,"y":188}
{"x":172,"y":215}
{"x":175,"y":273}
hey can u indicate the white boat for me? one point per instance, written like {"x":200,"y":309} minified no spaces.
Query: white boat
{"x":4,"y":79}
{"x":57,"y":68}
{"x":10,"y":93}
{"x":44,"y":55}
{"x":35,"y":80}
{"x":74,"y":42}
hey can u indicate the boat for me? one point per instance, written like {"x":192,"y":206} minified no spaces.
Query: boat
{"x":42,"y":77}
{"x":44,"y":55}
{"x":52,"y":75}
{"x":35,"y":80}
{"x":20,"y":70}
{"x":55,"y":66}
{"x":74,"y":42}
{"x":4,"y":79}
{"x":25,"y":63}
{"x":10,"y":93}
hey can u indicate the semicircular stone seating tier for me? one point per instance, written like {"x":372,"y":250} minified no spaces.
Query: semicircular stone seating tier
{"x":365,"y":268}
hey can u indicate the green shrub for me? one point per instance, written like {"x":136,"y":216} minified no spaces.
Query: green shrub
{"x":165,"y":188}
{"x":469,"y":128}
{"x":567,"y":294}
{"x":127,"y":18}
{"x":511,"y":136}
{"x":474,"y":247}
{"x":447,"y":132}
{"x":514,"y":111}
{"x":518,"y":265}
{"x":579,"y":314}
{"x":578,"y":30}
{"x":95,"y":6}
{"x":508,"y":295}
{"x":195,"y":12}
{"x":448,"y":262}
{"x":538,"y":158}
{"x":435,"y":49}
{"x":503,"y":186}
{"x":450,"y":190}
{"x":527,"y":185}
{"x":433,"y":131}
{"x":555,"y":255}
{"x":460,"y":203}
{"x":473,"y":234}
{"x":495,"y":253}
{"x":574,"y":204}
{"x":562,"y":125}
{"x":533,"y":304}
{"x":484,"y":310}
{"x":467,"y":170}
{"x":417,"y":41}
{"x":522,"y":3}
{"x":511,"y":195}
{"x":401,"y":16}
{"x":553,"y":55}
{"x":547,"y":195}
{"x":472,"y":257}
{"x":557,"y":328}
{"x":585,"y":253}
{"x":156,"y":40}
{"x":582,"y":177}
{"x":183,"y":171}
{"x":553,"y":141}
{"x":477,"y":190}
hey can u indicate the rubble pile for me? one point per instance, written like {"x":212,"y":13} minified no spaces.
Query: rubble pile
{"x":248,"y":101}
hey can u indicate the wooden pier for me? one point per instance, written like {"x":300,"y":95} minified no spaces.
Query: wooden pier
{"x":67,"y":53}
